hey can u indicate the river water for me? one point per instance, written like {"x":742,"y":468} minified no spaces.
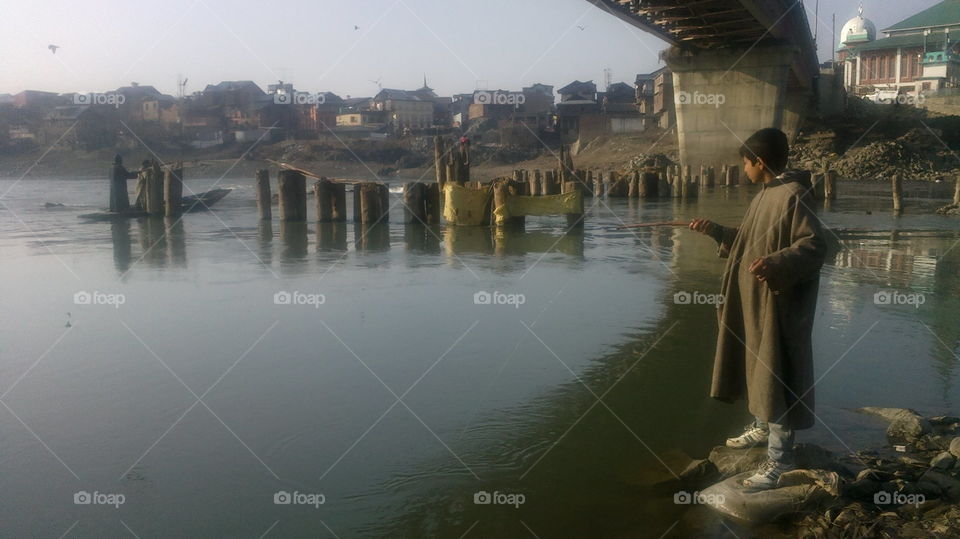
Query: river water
{"x":182,"y":396}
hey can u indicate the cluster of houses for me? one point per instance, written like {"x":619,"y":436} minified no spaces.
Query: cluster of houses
{"x":241,"y":111}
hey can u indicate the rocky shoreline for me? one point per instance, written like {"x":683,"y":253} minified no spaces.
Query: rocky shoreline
{"x":908,"y":489}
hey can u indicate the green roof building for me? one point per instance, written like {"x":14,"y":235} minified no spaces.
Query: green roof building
{"x":915,"y":55}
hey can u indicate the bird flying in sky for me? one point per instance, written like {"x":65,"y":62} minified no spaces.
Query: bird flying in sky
{"x":53,"y":48}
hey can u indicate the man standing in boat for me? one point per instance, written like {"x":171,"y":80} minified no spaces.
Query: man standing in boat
{"x":119,"y":198}
{"x":770,"y":286}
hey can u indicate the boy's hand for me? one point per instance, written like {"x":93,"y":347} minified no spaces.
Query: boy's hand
{"x":702,"y":226}
{"x":765,"y":272}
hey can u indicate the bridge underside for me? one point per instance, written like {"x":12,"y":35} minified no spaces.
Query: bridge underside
{"x":738,"y":66}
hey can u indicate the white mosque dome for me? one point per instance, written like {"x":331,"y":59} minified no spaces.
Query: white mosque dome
{"x":858,"y":30}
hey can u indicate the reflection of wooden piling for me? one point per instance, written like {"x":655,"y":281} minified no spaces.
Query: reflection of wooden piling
{"x":897,"y":182}
{"x":414,"y":209}
{"x":830,"y":185}
{"x":574,"y":219}
{"x":332,"y":236}
{"x":293,"y":235}
{"x":431,"y":203}
{"x":292,"y":186}
{"x":173,"y":191}
{"x":264,"y":199}
{"x":372,"y":237}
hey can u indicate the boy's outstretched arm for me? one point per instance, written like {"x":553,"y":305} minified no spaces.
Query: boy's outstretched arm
{"x":723,"y":235}
{"x":804,"y":257}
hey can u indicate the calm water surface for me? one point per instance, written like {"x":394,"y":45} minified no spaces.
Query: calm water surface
{"x":199,"y":399}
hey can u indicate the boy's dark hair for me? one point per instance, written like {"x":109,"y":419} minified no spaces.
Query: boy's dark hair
{"x":769,"y":144}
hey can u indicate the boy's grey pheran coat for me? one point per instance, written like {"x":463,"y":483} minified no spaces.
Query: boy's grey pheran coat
{"x":764,"y":347}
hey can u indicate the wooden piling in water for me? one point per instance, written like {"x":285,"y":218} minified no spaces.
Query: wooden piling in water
{"x":897,"y":185}
{"x":338,"y":192}
{"x":598,"y":185}
{"x":451,"y":173}
{"x":431,"y":203}
{"x":574,"y":219}
{"x":956,"y":192}
{"x":356,"y":202}
{"x":154,"y":193}
{"x":173,"y":191}
{"x":830,"y":185}
{"x":264,"y":198}
{"x":633,"y":184}
{"x":372,"y":207}
{"x":438,"y":164}
{"x":414,"y":207}
{"x":292,"y":186}
{"x":500,"y":195}
{"x":535,"y":181}
{"x":733,"y":175}
{"x":323,"y":200}
{"x":816,"y":190}
{"x":649,"y":185}
{"x":550,"y":185}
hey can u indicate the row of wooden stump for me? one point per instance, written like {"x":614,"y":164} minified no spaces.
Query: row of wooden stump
{"x":163,"y":190}
{"x":371,"y":200}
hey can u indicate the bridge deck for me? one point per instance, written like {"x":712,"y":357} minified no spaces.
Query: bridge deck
{"x":714,"y":24}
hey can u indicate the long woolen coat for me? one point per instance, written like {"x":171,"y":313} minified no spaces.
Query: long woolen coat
{"x":764,"y":346}
{"x":119,"y":199}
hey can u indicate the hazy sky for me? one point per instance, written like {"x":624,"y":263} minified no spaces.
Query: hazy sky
{"x":459,"y":44}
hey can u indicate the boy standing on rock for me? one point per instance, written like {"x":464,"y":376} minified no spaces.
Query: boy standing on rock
{"x":770,"y":286}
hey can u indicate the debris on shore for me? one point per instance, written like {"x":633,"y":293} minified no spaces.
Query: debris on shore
{"x":875,"y":142}
{"x":910,"y":489}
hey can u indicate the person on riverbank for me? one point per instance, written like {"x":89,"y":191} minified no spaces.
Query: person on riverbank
{"x":769,"y":289}
{"x":119,"y":197}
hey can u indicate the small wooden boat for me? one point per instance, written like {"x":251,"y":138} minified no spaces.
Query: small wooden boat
{"x":189,"y":204}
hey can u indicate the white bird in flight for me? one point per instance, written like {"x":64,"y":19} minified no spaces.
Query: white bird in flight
{"x":53,"y":48}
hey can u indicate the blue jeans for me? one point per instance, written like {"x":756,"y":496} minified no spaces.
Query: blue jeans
{"x":780,"y":443}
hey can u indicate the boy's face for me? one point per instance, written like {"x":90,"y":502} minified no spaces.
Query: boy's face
{"x":753,"y":170}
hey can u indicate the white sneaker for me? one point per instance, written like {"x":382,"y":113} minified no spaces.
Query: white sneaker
{"x":752,"y":435}
{"x":768,"y":475}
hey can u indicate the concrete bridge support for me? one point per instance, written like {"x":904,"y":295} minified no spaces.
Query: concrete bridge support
{"x":724,"y":95}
